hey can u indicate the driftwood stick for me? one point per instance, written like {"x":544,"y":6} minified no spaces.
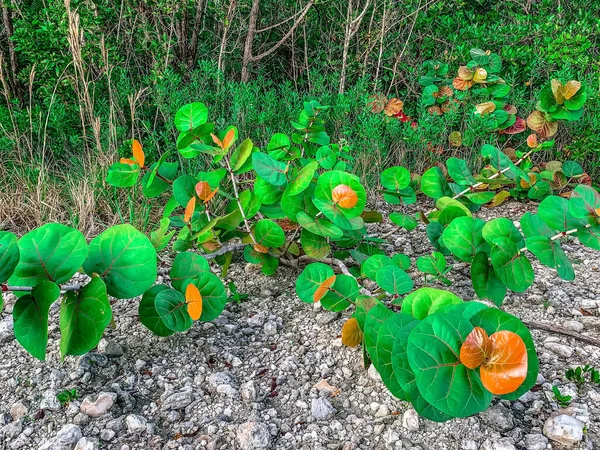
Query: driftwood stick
{"x":562,"y":331}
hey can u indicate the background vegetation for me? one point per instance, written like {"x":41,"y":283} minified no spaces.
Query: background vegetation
{"x":79,"y":78}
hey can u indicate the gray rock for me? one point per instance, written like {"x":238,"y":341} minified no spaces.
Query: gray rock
{"x":270,"y":328}
{"x":564,"y":429}
{"x":49,"y":401}
{"x":12,"y":430}
{"x":217,"y":379}
{"x":498,"y":417}
{"x":177,"y":400}
{"x":497,"y":444}
{"x":559,"y":349}
{"x":253,"y":436}
{"x":18,"y":410}
{"x":99,"y":406}
{"x":136,"y":424}
{"x":248,"y":391}
{"x":468,"y":444}
{"x":107,"y":435}
{"x":6,"y":329}
{"x":573,"y":325}
{"x":321,"y":409}
{"x":257,"y":320}
{"x":535,"y":442}
{"x":68,"y":435}
{"x":87,"y":444}
{"x":410,"y":420}
{"x":109,"y":348}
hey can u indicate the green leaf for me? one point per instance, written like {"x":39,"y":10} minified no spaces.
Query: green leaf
{"x":590,"y":237}
{"x":486,"y":284}
{"x":269,"y":234}
{"x":376,"y":316}
{"x":172,"y":310}
{"x":433,"y":354}
{"x":479,"y":56}
{"x":123,"y":175}
{"x":481,"y":198}
{"x":434,"y":231}
{"x":394,"y":280}
{"x":533,"y":225}
{"x":464,"y":238}
{"x":125,"y":259}
{"x":311,"y":279}
{"x":584,"y":202}
{"x":212,"y":290}
{"x":502,"y":227}
{"x":401,"y":260}
{"x":395,"y":178}
{"x":267,"y":193}
{"x":9,"y":255}
{"x":241,"y":154}
{"x":326,"y":157}
{"x":293,"y":204}
{"x":513,"y":268}
{"x":314,"y":245}
{"x":501,"y":162}
{"x":184,"y":188}
{"x":279,"y":146}
{"x":329,"y":180}
{"x":555,"y":213}
{"x":403,"y":221}
{"x":493,"y":320}
{"x":160,"y":238}
{"x":572,"y":169}
{"x":149,"y":315}
{"x":459,"y":171}
{"x":434,"y":184}
{"x":373,"y":264}
{"x":51,"y":252}
{"x":342,"y":294}
{"x":434,"y":264}
{"x":191,"y":116}
{"x":83,"y":318}
{"x":425,"y":301}
{"x":539,"y":190}
{"x":187,"y":265}
{"x":269,"y":169}
{"x":576,"y":102}
{"x":30,"y":317}
{"x":303,"y":178}
{"x":384,"y":348}
{"x":154,"y":186}
{"x":319,"y":225}
{"x":338,"y":215}
{"x":550,"y":254}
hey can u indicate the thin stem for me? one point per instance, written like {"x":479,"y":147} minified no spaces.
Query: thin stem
{"x":158,"y":175}
{"x":558,"y":236}
{"x":237,"y":198}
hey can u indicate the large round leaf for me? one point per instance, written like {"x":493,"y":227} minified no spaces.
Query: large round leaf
{"x":373,"y":264}
{"x":486,"y":284}
{"x":149,"y":315}
{"x":336,"y":214}
{"x":425,"y":301}
{"x":125,"y":259}
{"x":394,"y":280}
{"x":311,"y":278}
{"x":269,"y":169}
{"x":459,"y":171}
{"x":502,"y":227}
{"x":187,"y":265}
{"x":434,"y":184}
{"x":555,"y":212}
{"x":293,"y":204}
{"x":52,"y":252}
{"x":303,"y":178}
{"x":154,"y":187}
{"x":551,"y":254}
{"x":328,"y":181}
{"x":269,"y":234}
{"x":278,"y":146}
{"x":314,"y":245}
{"x":213,"y":295}
{"x":191,"y":116}
{"x":342,"y":293}
{"x":30,"y":317}
{"x":172,"y":310}
{"x":493,"y":320}
{"x":184,"y":188}
{"x":584,"y":202}
{"x":385,"y":343}
{"x":434,"y":356}
{"x":267,"y":193}
{"x":9,"y":255}
{"x":511,"y":266}
{"x":464,"y":238}
{"x":375,"y":317}
{"x":83,"y":318}
{"x":395,"y":178}
{"x":319,"y":225}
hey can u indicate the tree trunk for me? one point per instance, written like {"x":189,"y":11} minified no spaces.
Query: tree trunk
{"x":226,"y":25}
{"x":8,"y":29}
{"x":250,"y":40}
{"x":352,"y":27}
{"x":195,"y":33}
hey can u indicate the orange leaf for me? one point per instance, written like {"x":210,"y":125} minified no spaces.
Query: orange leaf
{"x":344,"y":196}
{"x":445,"y":91}
{"x":571,"y":88}
{"x":138,"y":153}
{"x":323,"y":288}
{"x":393,"y":107}
{"x":203,"y":190}
{"x":194,"y":301}
{"x":216,"y":140}
{"x":377,"y":103}
{"x":189,"y":210}
{"x":537,"y":122}
{"x":506,"y":367}
{"x":525,"y":184}
{"x":211,"y":195}
{"x":558,"y":91}
{"x":261,"y":248}
{"x":228,"y":139}
{"x":435,"y":110}
{"x":597,"y":210}
{"x":351,"y":334}
{"x":131,"y":162}
{"x":462,"y":85}
{"x":532,"y":140}
{"x":484,"y":108}
{"x":476,"y":347}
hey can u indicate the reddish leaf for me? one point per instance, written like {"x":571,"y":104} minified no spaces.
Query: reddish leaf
{"x":323,"y":288}
{"x":518,"y":127}
{"x":216,"y":140}
{"x":138,"y":153}
{"x":344,"y":196}
{"x":194,"y":301}
{"x":377,"y":103}
{"x":532,"y":140}
{"x":511,"y":109}
{"x":506,"y":367}
{"x":261,"y":248}
{"x":203,"y":190}
{"x":462,"y":85}
{"x":228,"y":139}
{"x":131,"y":162}
{"x":189,"y":210}
{"x":351,"y":334}
{"x":393,"y":107}
{"x":537,"y":122}
{"x":475,"y":349}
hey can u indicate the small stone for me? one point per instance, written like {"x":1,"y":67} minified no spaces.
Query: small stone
{"x":573,"y":325}
{"x":564,"y":429}
{"x":98,"y":407}
{"x":257,"y":320}
{"x":383,"y":411}
{"x":468,"y":444}
{"x":410,"y":420}
{"x":248,"y":391}
{"x":13,"y":429}
{"x":217,"y":379}
{"x":87,"y":444}
{"x":535,"y":442}
{"x":18,"y":410}
{"x":373,"y":374}
{"x":497,"y":444}
{"x":324,"y":386}
{"x":270,"y":328}
{"x":253,"y":436}
{"x":49,"y":401}
{"x":7,"y":329}
{"x":66,"y":437}
{"x":177,"y":400}
{"x":135,"y":423}
{"x":498,"y":417}
{"x":109,"y":348}
{"x":107,"y":435}
{"x":321,"y":409}
{"x":559,"y":349}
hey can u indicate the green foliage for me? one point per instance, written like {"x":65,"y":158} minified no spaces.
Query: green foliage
{"x":563,"y":400}
{"x":67,"y":396}
{"x":581,"y":374}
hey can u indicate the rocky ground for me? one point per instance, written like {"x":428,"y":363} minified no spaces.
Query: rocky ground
{"x":271,"y":373}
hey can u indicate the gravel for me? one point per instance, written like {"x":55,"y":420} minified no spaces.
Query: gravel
{"x":272,"y":373}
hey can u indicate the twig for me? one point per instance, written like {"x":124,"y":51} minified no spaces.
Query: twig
{"x":563,"y":331}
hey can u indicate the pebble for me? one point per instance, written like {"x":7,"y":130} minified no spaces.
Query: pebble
{"x":136,"y":424}
{"x":270,"y":328}
{"x":410,"y":420}
{"x":321,"y":409}
{"x":535,"y":441}
{"x":49,"y":401}
{"x":573,"y":325}
{"x":497,"y":444}
{"x":177,"y":400}
{"x":87,"y":444}
{"x":99,"y":406}
{"x":66,"y":438}
{"x":253,"y":436}
{"x":18,"y":410}
{"x":498,"y":417}
{"x":559,"y":349}
{"x":110,"y":348}
{"x":564,"y":429}
{"x":248,"y":391}
{"x":107,"y":435}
